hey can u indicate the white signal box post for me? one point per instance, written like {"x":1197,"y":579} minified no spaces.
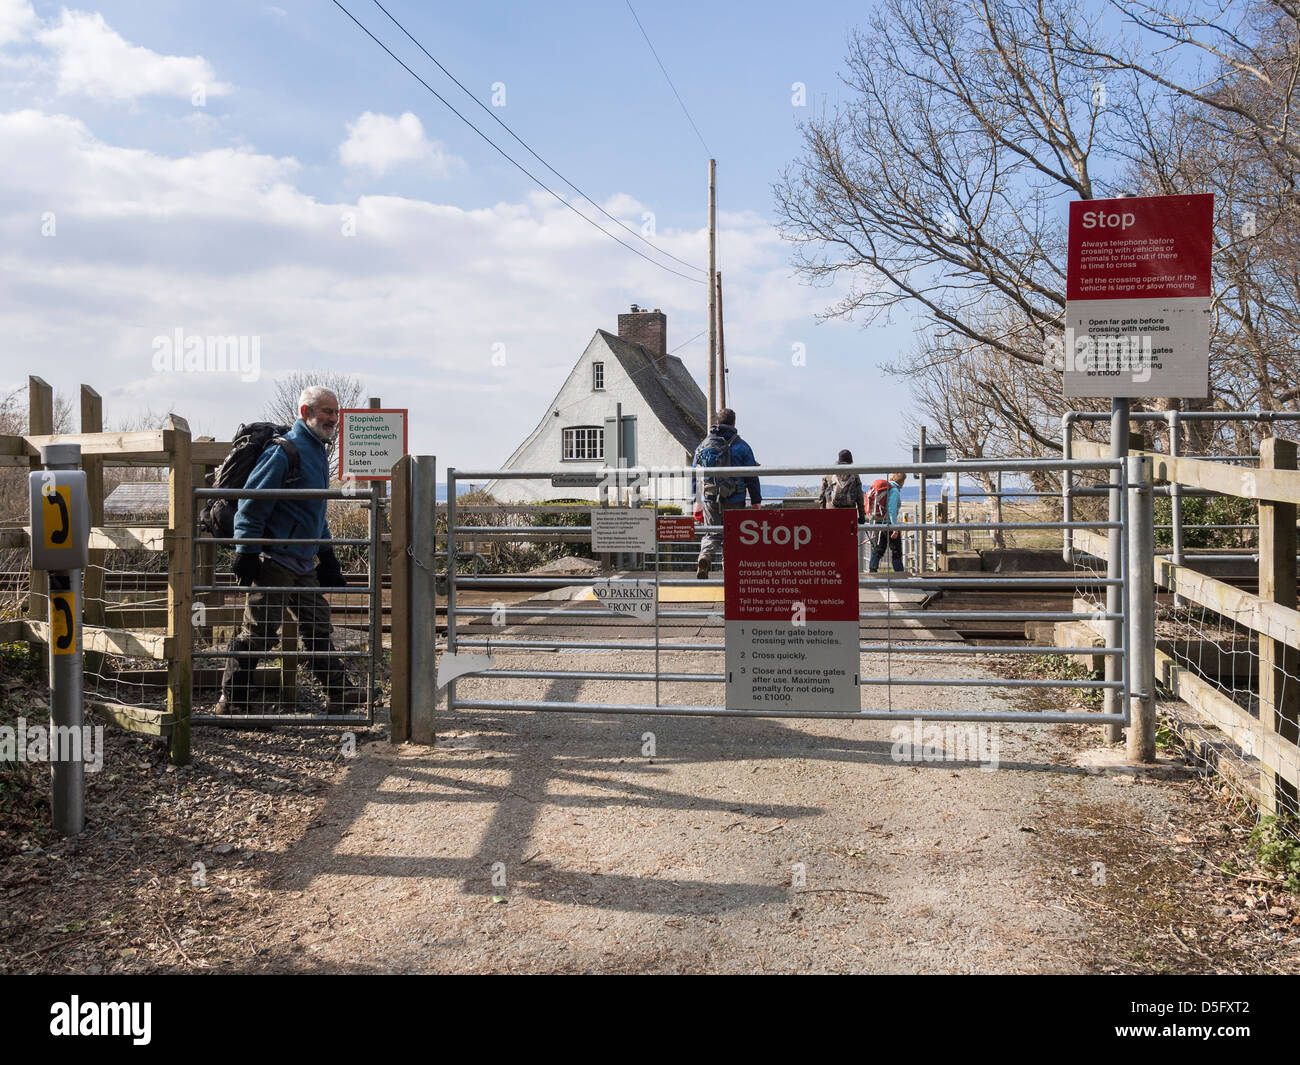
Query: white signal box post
{"x":60,"y":512}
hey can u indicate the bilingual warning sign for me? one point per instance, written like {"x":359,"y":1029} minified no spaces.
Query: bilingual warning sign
{"x":791,"y":610}
{"x":370,"y":442}
{"x":1137,"y":311}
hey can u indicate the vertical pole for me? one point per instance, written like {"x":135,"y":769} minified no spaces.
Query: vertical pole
{"x":180,"y":554}
{"x":1279,"y":665}
{"x":451,"y":577}
{"x":713,"y":292}
{"x":403,"y":623}
{"x":722,"y":350}
{"x":1141,"y":611}
{"x":922,"y":534}
{"x":998,"y":539}
{"x":1067,"y":487}
{"x":656,"y":505}
{"x":1176,"y":496}
{"x":422,"y":629}
{"x":375,"y":565}
{"x":40,"y":422}
{"x":67,"y":766}
{"x":92,"y":421}
{"x":1119,"y":427}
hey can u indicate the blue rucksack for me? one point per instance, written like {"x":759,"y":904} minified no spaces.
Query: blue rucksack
{"x":716,"y":451}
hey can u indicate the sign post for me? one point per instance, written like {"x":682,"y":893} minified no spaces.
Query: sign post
{"x":1137,"y":321}
{"x":60,"y":510}
{"x":791,"y":582}
{"x":371,"y":440}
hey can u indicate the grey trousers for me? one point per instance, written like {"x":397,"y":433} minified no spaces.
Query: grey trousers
{"x":710,"y":542}
{"x":263,"y":613}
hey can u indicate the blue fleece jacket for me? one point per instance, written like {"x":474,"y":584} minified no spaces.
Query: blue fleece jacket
{"x":289,"y":519}
{"x":741,"y":455}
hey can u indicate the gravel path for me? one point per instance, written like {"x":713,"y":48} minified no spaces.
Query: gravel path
{"x":550,"y":842}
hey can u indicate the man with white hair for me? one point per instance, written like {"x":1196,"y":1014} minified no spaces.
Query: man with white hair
{"x":289,"y":565}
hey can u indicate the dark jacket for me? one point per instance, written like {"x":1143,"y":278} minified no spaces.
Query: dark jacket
{"x":855,"y":495}
{"x":741,"y":455}
{"x":289,"y":519}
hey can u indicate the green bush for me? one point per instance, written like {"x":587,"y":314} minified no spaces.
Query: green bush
{"x":1199,"y":511}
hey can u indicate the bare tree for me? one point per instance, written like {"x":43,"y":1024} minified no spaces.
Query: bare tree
{"x":283,"y":406}
{"x":940,"y":187}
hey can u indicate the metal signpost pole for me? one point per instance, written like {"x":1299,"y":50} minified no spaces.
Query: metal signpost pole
{"x":60,"y":545}
{"x":1119,"y":423}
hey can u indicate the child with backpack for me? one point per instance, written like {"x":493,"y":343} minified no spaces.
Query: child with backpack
{"x":844,"y":490}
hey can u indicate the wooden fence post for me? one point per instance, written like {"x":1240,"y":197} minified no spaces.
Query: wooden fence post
{"x":400,"y":613}
{"x":95,"y":609}
{"x":180,"y":557}
{"x":1279,"y":667}
{"x":40,"y":422}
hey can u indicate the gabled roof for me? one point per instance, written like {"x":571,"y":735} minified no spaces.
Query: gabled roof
{"x":672,"y":395}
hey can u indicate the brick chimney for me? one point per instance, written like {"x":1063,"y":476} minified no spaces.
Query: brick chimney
{"x":649,"y":329}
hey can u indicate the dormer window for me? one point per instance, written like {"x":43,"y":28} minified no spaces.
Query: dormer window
{"x":598,"y":376}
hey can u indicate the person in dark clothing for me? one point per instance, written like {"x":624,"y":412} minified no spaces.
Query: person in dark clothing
{"x":309,"y":566}
{"x":722,"y":447}
{"x":844,"y":490}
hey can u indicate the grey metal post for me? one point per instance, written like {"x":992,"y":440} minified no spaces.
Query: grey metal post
{"x":451,"y":578}
{"x":424,"y":598}
{"x":1119,"y":425}
{"x":1141,"y":611}
{"x":1176,"y":497}
{"x":1067,"y":486}
{"x":67,"y":761}
{"x":376,"y":597}
{"x":921,"y":535}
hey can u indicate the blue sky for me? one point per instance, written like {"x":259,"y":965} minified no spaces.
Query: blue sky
{"x":228,"y":218}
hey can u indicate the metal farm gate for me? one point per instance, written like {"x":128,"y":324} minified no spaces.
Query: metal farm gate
{"x":289,"y":615}
{"x":599,"y":663}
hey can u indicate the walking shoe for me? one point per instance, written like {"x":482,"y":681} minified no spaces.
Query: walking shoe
{"x":702,"y":569}
{"x":226,"y":707}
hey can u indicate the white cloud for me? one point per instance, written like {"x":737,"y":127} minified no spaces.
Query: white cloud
{"x":94,"y":60}
{"x":225,"y":243}
{"x":379,"y":143}
{"x":16,"y":19}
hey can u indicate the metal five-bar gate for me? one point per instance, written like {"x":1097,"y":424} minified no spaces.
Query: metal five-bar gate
{"x":287,"y":620}
{"x":555,"y":648}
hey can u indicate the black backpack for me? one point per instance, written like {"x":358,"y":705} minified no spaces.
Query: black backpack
{"x":218,"y":517}
{"x":716,"y":451}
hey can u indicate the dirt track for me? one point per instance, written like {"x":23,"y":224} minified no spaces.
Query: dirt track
{"x":744,"y":846}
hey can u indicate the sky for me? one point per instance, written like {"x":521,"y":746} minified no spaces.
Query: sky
{"x":178,"y":170}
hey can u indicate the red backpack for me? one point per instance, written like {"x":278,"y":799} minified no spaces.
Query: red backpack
{"x":878,"y":502}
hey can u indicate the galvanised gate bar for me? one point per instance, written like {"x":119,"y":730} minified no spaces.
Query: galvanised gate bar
{"x":900,"y":611}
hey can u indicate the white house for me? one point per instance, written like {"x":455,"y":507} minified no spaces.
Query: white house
{"x":663,"y":414}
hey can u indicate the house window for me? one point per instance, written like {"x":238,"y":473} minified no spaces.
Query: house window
{"x":584,"y":442}
{"x":598,"y":376}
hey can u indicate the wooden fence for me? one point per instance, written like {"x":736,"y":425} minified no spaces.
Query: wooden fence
{"x":1272,"y":740}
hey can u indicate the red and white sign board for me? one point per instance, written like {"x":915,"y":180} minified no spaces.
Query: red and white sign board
{"x":791,"y":609}
{"x":674,"y":529}
{"x":370,"y":442}
{"x":1137,"y":311}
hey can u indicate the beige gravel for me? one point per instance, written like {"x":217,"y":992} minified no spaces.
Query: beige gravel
{"x":549,"y":842}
